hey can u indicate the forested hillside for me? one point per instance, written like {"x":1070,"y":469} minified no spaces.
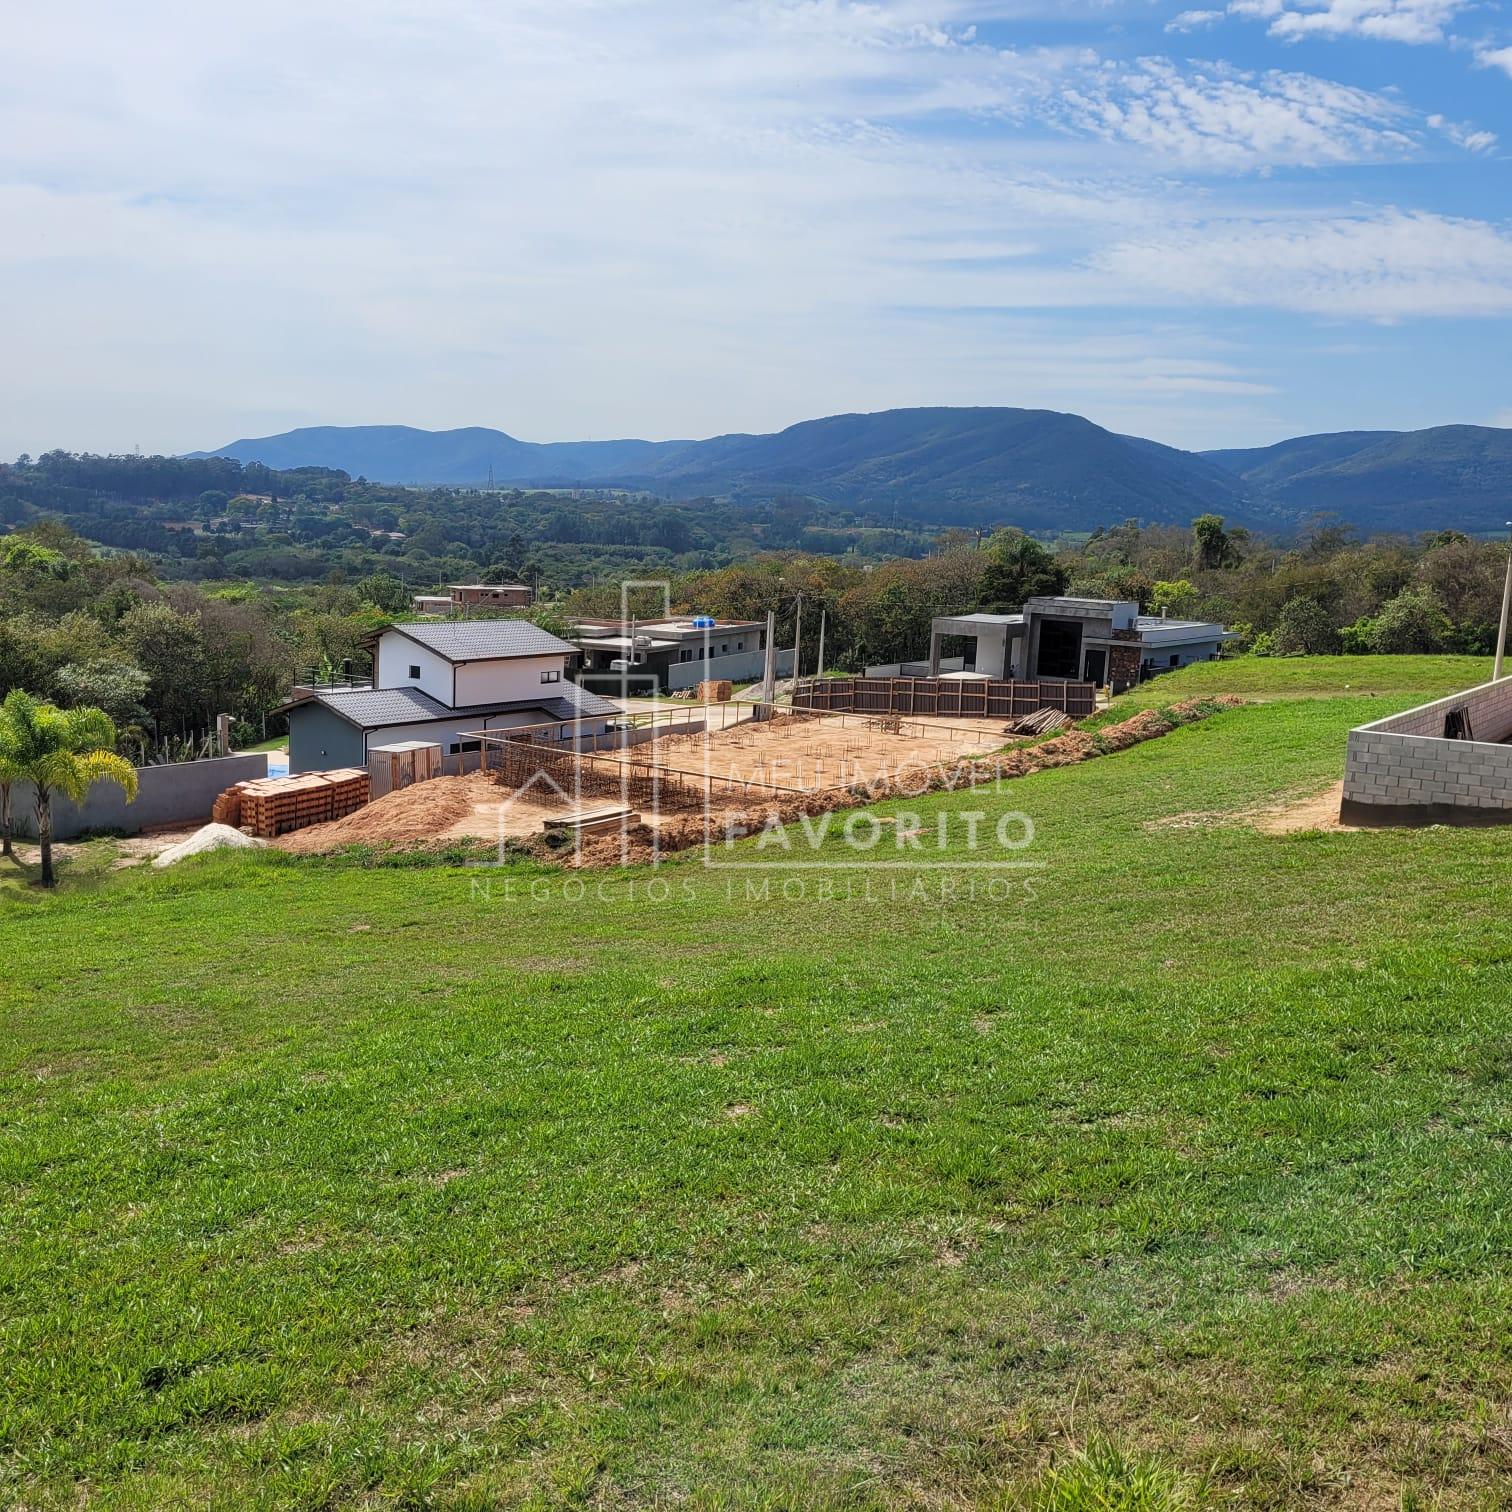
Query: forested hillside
{"x":1038,"y":469}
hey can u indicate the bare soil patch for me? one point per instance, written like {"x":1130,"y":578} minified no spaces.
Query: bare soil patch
{"x":1314,"y":812}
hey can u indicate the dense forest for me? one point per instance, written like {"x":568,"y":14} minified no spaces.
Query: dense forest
{"x":211,"y":520}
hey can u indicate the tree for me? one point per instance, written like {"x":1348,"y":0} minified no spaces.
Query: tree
{"x":116,"y":688}
{"x":1211,"y":545}
{"x":59,"y":750}
{"x":169,"y":648}
{"x":1018,"y":568}
{"x":384,"y":591}
{"x":7,"y":777}
{"x":1413,"y":623}
{"x":1177,"y":598}
{"x":1305,"y":629}
{"x":32,"y":562}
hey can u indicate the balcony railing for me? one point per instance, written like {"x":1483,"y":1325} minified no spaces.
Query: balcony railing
{"x":330,"y":680}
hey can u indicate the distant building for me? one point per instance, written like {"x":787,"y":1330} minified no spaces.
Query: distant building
{"x":1103,"y":641}
{"x":439,"y":683}
{"x":461,"y":597}
{"x":675,"y":653}
{"x":492,"y":595}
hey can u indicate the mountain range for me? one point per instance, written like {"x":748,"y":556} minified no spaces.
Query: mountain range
{"x":1040,"y":469}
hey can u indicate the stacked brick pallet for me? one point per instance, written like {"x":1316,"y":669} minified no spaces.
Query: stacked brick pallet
{"x":276,"y":805}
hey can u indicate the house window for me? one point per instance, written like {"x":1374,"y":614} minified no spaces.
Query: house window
{"x":551,"y":677}
{"x":685,"y":654}
{"x":724,"y":650}
{"x":1175,"y":661}
{"x":414,"y":671}
{"x":457,"y":747}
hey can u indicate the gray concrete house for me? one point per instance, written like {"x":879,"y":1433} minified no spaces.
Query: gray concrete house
{"x":439,"y":683}
{"x":677,"y":653}
{"x":1103,"y":641}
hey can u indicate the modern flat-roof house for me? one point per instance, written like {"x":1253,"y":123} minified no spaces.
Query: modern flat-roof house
{"x":677,"y":653}
{"x":460,"y":597}
{"x":1103,"y":641}
{"x":439,"y":682}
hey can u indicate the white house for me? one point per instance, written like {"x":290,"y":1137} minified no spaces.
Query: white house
{"x":438,"y":683}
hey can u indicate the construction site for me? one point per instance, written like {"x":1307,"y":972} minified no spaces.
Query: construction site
{"x":681,"y":780}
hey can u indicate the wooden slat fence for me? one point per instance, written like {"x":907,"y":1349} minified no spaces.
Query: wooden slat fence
{"x":944,"y":696}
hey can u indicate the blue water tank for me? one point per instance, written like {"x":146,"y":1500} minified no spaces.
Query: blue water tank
{"x":703,"y":622}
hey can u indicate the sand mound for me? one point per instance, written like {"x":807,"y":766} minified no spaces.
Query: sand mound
{"x":412,"y":816}
{"x":211,"y":837}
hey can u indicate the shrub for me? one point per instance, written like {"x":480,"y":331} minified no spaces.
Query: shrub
{"x":1305,"y":628}
{"x":1413,"y":623}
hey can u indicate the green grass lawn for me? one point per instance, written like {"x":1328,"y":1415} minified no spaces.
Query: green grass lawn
{"x":327,"y":1184}
{"x":81,"y":867}
{"x":1269,"y":677}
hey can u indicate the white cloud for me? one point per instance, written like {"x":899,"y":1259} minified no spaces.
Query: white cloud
{"x":1194,"y":20}
{"x":1412,"y":21}
{"x":1463,"y":134}
{"x":1224,"y":119}
{"x":1383,"y":267}
{"x":574,"y":217}
{"x":1496,"y":57}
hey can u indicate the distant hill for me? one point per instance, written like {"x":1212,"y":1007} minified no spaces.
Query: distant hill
{"x":1039,"y":468}
{"x":402,"y":454}
{"x":1269,"y":466}
{"x":1449,"y":475}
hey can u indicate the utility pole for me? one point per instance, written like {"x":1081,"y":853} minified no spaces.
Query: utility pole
{"x":1506,"y":614}
{"x":769,"y":668}
{"x":823,"y":615}
{"x":797,"y":637}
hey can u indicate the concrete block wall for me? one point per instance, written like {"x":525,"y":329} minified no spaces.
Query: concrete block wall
{"x":1490,"y":708}
{"x":182,"y":793}
{"x":1400,"y":770}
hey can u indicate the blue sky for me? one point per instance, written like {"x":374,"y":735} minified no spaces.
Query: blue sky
{"x":1214,"y":224}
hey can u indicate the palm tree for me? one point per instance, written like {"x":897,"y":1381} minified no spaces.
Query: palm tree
{"x":59,"y":750}
{"x":7,"y":776}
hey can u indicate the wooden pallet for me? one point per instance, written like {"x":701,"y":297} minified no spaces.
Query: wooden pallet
{"x":593,"y":821}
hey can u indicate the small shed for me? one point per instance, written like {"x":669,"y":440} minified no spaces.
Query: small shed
{"x":401,"y":765}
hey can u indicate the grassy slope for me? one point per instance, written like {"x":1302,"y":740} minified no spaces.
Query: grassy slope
{"x":322,"y":1182}
{"x":1265,"y":677}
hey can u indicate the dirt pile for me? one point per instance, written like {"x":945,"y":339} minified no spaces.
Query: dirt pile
{"x":412,"y":816}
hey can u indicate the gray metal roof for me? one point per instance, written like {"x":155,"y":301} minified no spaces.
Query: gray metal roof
{"x":484,"y":640}
{"x":374,"y":708}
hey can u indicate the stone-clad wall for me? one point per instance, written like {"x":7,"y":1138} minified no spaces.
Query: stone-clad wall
{"x":1400,"y":770}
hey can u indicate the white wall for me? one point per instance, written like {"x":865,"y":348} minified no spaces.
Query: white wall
{"x":396,"y":654}
{"x":467,"y":684}
{"x":508,"y":680}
